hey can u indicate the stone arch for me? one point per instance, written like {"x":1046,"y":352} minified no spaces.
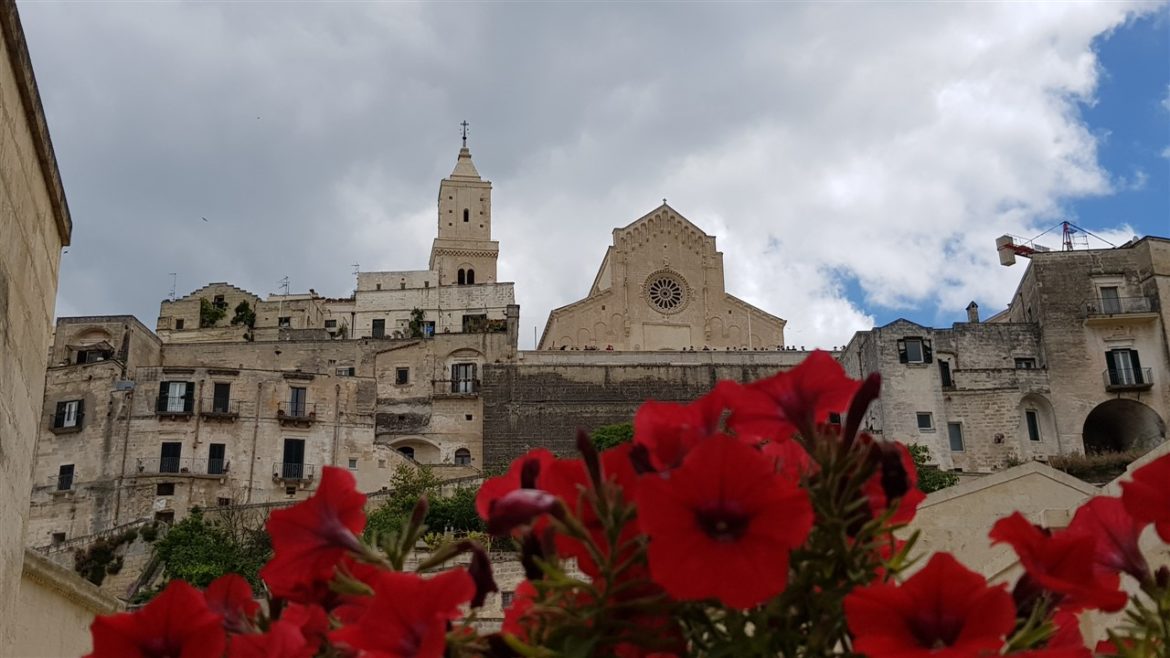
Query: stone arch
{"x":1045,"y":419}
{"x":470,"y":276}
{"x":600,"y":331}
{"x":418,"y":449}
{"x":93,"y":335}
{"x":583,"y":337}
{"x":566,"y":341}
{"x":1122,"y":424}
{"x":461,"y":278}
{"x":462,"y":457}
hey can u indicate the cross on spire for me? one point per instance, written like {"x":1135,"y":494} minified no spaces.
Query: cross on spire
{"x":464,"y":124}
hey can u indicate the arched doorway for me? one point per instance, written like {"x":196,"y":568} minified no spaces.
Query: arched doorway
{"x":1120,"y":425}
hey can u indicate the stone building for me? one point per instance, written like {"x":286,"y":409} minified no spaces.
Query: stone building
{"x":34,"y":226}
{"x":218,"y":408}
{"x":1078,"y":362}
{"x":661,"y":287}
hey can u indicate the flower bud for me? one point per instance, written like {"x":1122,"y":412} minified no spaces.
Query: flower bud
{"x":589,"y":456}
{"x":864,"y":396}
{"x":480,"y":570}
{"x":521,"y":507}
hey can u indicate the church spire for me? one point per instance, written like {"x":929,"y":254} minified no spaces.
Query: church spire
{"x":464,"y":167}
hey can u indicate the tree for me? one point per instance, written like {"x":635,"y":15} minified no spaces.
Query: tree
{"x":417,"y":319}
{"x":199,"y":550}
{"x":455,"y":513}
{"x":608,"y":436}
{"x":930,"y":478}
{"x":244,"y":315}
{"x":209,"y":314}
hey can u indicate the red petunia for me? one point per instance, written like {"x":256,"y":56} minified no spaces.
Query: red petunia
{"x":230,"y":596}
{"x":568,"y":480}
{"x":313,"y":623}
{"x":669,"y":430}
{"x":515,"y":616}
{"x":408,"y":616}
{"x":894,"y":482}
{"x":310,"y":538}
{"x":1147,"y":495}
{"x":796,"y":400}
{"x":943,"y":611}
{"x":1061,"y":563}
{"x":176,"y":623}
{"x":1105,"y":519}
{"x":282,"y":640}
{"x":497,"y":487}
{"x":722,"y":524}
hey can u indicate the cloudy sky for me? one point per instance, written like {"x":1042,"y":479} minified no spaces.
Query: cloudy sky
{"x":856,"y":161}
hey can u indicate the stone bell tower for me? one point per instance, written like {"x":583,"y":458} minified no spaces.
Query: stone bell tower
{"x":464,"y":252}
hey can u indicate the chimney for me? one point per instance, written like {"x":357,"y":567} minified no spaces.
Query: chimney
{"x":973,"y":313}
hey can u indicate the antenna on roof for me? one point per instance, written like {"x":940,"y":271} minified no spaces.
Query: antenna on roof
{"x":284,"y":284}
{"x":174,"y":280}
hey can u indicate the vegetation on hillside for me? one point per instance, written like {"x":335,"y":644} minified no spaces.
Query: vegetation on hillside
{"x":930,"y":478}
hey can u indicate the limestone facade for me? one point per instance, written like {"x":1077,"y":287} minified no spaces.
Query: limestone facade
{"x":34,"y":226}
{"x":1078,"y":362}
{"x":661,"y":287}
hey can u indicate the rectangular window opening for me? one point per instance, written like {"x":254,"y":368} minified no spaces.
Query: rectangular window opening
{"x":1025,"y":363}
{"x":379,"y":328}
{"x":65,"y":477}
{"x":401,"y":376}
{"x":216,"y":459}
{"x":925,"y":421}
{"x":1033,"y":421}
{"x":164,"y":489}
{"x":221,"y":398}
{"x":955,"y":435}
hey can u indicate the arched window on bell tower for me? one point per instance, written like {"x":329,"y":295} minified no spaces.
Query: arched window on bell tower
{"x":462,"y":277}
{"x":470,"y":277}
{"x":466,"y":215}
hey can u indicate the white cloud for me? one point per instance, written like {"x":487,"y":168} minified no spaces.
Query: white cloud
{"x":880,"y":146}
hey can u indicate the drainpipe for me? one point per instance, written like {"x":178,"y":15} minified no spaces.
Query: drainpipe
{"x":336,"y":422}
{"x":255,"y":432}
{"x":198,"y":414}
{"x":127,"y":408}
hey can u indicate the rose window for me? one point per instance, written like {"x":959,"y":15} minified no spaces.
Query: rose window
{"x":666,"y":292}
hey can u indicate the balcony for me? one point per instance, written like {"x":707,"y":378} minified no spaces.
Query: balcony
{"x":223,"y":410}
{"x":59,"y":426}
{"x":456,"y":387}
{"x":178,"y":407}
{"x":293,"y":472}
{"x":296,"y":413}
{"x":1128,"y":379}
{"x":1112,"y":309}
{"x":61,"y":483}
{"x":181,"y":466}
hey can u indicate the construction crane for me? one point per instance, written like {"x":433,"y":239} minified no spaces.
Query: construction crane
{"x":1072,"y":236}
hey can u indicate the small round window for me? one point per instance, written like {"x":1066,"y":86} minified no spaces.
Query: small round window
{"x":666,"y":292}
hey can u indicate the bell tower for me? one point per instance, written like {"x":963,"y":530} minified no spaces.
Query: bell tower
{"x":464,"y":253}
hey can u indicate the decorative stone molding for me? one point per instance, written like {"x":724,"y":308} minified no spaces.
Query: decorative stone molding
{"x":666,"y":291}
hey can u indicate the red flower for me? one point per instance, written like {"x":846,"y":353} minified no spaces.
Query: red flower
{"x":408,"y":616}
{"x":283,"y":640}
{"x":1061,"y":563}
{"x":1116,"y":534}
{"x":943,"y":611}
{"x":1147,"y":496}
{"x":515,"y":621}
{"x":791,"y":459}
{"x":894,"y":482}
{"x":797,"y":400}
{"x":310,"y":538}
{"x":568,"y":479}
{"x":176,"y":623}
{"x":494,"y":488}
{"x":230,"y":596}
{"x":312,"y":622}
{"x":521,"y":507}
{"x":669,"y":430}
{"x":722,"y":524}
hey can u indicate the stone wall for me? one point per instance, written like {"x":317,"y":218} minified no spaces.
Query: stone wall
{"x":537,"y":402}
{"x":34,"y":226}
{"x":56,"y":607}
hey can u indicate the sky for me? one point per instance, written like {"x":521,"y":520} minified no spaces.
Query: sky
{"x":855,"y":161}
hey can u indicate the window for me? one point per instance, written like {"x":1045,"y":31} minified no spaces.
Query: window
{"x":461,"y":277}
{"x":164,"y":489}
{"x":293,"y":467}
{"x":179,"y":324}
{"x":506,"y":599}
{"x":352,"y":464}
{"x":1027,"y":363}
{"x":407,"y":451}
{"x":463,"y":457}
{"x":220,"y":400}
{"x":170,"y":456}
{"x":331,"y":324}
{"x":944,"y":373}
{"x":69,"y":414}
{"x":467,"y":416}
{"x":381,"y":463}
{"x":1033,"y":421}
{"x":284,"y":322}
{"x":65,"y":477}
{"x":165,"y":516}
{"x":378,"y":328}
{"x":470,"y":277}
{"x":428,"y":328}
{"x":58,"y":538}
{"x":348,"y":371}
{"x":1125,"y":369}
{"x":93,"y":356}
{"x":176,"y":397}
{"x":223,"y":502}
{"x":290,"y":490}
{"x":466,"y":214}
{"x":1110,"y":300}
{"x":377,"y":286}
{"x":296,"y":401}
{"x":219,"y":302}
{"x":914,"y":350}
{"x":216,"y":459}
{"x":426,"y":284}
{"x":401,"y":376}
{"x":474,"y":323}
{"x":955,"y":434}
{"x":463,"y":378}
{"x":925,"y":421}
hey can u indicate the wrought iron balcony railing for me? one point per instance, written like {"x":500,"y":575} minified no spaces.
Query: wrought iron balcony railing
{"x":1119,"y":306}
{"x":218,"y":408}
{"x":293,"y":471}
{"x":1128,"y":379}
{"x":296,"y":412}
{"x":456,"y":387}
{"x":181,"y":466}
